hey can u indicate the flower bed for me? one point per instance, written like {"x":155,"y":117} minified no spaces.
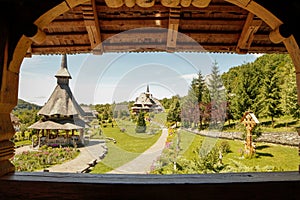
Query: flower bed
{"x":43,"y":158}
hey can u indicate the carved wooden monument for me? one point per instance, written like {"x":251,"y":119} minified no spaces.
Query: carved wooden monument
{"x":250,"y":121}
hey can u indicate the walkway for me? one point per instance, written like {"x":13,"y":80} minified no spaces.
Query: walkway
{"x":142,"y":163}
{"x":90,"y":152}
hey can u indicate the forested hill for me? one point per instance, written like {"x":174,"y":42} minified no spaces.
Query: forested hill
{"x":24,"y":105}
{"x":266,"y":86}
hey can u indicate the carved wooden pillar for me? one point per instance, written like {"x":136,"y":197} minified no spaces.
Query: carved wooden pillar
{"x":17,"y":33}
{"x":8,"y":100}
{"x":6,"y":146}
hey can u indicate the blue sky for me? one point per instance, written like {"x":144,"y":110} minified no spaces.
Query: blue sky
{"x":120,"y":77}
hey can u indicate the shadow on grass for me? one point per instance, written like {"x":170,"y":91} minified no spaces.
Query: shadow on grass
{"x":266,"y":123}
{"x":262,"y":147}
{"x":285,"y":124}
{"x":258,"y":155}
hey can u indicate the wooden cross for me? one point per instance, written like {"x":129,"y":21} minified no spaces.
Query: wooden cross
{"x":250,"y":121}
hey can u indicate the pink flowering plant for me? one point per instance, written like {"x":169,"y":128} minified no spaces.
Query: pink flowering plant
{"x":43,"y":158}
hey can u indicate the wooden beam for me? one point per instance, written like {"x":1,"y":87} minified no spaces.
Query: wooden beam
{"x":174,"y":18}
{"x":66,"y":23}
{"x":60,"y":49}
{"x":93,"y":27}
{"x":250,"y":28}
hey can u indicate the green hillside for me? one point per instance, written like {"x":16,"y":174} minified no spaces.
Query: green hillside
{"x":22,"y":105}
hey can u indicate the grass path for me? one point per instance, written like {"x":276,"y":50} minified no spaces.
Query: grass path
{"x":142,"y":163}
{"x":128,"y":147}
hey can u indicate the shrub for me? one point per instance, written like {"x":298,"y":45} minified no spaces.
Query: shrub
{"x":224,"y":147}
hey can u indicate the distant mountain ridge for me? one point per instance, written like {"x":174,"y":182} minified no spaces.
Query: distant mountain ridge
{"x":26,"y":105}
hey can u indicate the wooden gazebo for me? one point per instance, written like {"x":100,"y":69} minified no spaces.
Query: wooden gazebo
{"x":29,"y":27}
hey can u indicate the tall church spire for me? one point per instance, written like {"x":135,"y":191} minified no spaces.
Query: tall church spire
{"x":63,"y":71}
{"x":147,"y":91}
{"x":63,"y":74}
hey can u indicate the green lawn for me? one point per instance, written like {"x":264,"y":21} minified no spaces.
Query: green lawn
{"x":268,"y":156}
{"x":282,"y":124}
{"x":129,"y":145}
{"x":160,"y":118}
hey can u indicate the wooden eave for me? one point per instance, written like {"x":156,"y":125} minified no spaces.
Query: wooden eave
{"x":219,"y":27}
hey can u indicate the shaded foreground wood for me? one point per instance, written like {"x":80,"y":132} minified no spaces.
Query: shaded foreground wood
{"x":210,"y":186}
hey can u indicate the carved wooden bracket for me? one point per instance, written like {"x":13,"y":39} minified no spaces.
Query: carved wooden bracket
{"x":250,"y":28}
{"x":174,"y":18}
{"x":92,"y":26}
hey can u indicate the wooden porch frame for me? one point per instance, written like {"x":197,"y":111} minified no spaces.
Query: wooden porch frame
{"x":84,"y":186}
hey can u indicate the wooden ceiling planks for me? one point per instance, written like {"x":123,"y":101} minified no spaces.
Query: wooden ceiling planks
{"x":218,"y":27}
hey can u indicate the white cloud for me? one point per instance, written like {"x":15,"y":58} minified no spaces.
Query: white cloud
{"x":189,"y":77}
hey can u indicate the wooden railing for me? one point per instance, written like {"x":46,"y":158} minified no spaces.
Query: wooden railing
{"x":115,"y":186}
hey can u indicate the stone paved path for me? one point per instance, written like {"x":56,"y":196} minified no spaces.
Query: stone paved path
{"x":142,"y":163}
{"x":90,"y":152}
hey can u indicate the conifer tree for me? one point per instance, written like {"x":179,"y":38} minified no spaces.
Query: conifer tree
{"x":174,"y":113}
{"x":218,"y":98}
{"x":193,"y":107}
{"x":269,"y":97}
{"x":141,"y":123}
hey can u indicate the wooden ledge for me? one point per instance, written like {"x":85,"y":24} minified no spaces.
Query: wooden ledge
{"x":153,"y":179}
{"x":42,"y":185}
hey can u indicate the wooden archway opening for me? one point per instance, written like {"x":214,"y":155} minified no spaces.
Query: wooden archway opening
{"x":10,"y":76}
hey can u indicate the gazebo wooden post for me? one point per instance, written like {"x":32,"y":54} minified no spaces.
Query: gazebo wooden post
{"x":39,"y":139}
{"x":81,"y":131}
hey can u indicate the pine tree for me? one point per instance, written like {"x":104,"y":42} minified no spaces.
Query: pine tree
{"x":174,"y":113}
{"x":141,"y":123}
{"x":269,"y":97}
{"x":193,"y":107}
{"x":244,"y":93}
{"x":218,"y":98}
{"x":289,"y":98}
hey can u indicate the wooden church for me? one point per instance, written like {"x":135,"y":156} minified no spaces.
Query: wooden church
{"x":63,"y":120}
{"x":145,"y":102}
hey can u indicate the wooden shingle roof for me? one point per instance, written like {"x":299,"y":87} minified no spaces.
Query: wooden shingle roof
{"x":62,"y":102}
